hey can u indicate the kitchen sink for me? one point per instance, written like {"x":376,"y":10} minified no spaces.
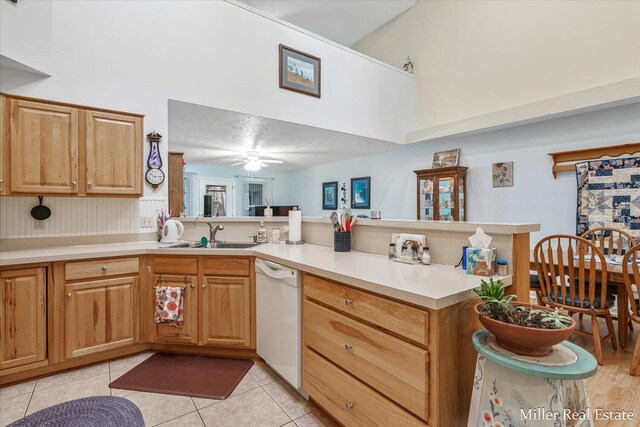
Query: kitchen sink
{"x":217,"y":245}
{"x":232,"y":245}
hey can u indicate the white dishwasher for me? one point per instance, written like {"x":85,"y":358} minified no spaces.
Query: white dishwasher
{"x":278,"y":320}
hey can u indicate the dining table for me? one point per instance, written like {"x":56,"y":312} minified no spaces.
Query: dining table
{"x":614,"y":278}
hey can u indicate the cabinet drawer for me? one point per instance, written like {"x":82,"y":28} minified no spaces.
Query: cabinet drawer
{"x":219,"y":266}
{"x":101,"y":268}
{"x":348,"y":400}
{"x":404,"y":320}
{"x":174,"y":265}
{"x":393,"y":367}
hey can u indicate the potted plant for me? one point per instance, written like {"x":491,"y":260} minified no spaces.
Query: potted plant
{"x":522,"y":328}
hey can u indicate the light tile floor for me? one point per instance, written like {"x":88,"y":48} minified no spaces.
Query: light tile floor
{"x":261,"y":399}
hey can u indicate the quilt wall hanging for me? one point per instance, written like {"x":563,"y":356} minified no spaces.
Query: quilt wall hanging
{"x":609,"y":195}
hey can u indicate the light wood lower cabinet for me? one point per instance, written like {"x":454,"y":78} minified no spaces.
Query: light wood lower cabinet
{"x":218,"y":304}
{"x":100,"y":315}
{"x":23,"y":317}
{"x":226,"y":311}
{"x":188,"y":333}
{"x":360,"y":351}
{"x":347,"y":399}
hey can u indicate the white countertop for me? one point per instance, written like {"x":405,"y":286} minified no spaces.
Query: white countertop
{"x":434,"y":286}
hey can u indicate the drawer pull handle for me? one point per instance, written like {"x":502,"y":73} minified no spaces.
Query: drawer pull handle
{"x":104,"y":268}
{"x":348,"y":406}
{"x":348,"y":301}
{"x":348,"y":347}
{"x":69,"y":295}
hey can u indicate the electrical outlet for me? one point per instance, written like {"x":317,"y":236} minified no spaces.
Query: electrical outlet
{"x":146,"y":222}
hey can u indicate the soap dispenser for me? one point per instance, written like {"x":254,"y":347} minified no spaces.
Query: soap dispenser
{"x":262,"y":233}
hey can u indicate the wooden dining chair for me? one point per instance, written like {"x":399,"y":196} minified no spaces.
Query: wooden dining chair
{"x":573,"y":274}
{"x":631,"y":273}
{"x":612,"y":242}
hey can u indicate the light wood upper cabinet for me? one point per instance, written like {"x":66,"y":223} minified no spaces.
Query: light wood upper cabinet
{"x":113,"y":154}
{"x":58,"y":149}
{"x":44,"y":148}
{"x":4,"y":145}
{"x":100,"y":315}
{"x":163,"y":332}
{"x":226,"y":311}
{"x":23,"y":318}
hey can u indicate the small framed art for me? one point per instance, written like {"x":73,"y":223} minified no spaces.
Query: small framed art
{"x":299,"y":71}
{"x":330,"y":195}
{"x":361,"y":193}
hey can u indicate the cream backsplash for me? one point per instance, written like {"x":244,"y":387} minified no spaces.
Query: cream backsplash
{"x":74,"y":216}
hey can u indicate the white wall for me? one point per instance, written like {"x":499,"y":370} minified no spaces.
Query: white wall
{"x":535,"y":197}
{"x":135,"y":55}
{"x":25,"y":32}
{"x":477,"y":57}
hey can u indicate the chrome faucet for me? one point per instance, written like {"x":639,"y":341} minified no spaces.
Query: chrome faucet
{"x":212,"y":232}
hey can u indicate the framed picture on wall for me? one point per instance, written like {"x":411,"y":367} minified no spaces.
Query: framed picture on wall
{"x":299,"y":71}
{"x":502,"y":174}
{"x":330,"y":195}
{"x":443,"y":159}
{"x":361,"y":193}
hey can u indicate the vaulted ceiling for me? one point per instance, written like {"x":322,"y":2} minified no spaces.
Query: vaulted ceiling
{"x":342,"y":21}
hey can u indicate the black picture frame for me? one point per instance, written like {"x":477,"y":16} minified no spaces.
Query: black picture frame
{"x":306,"y":79}
{"x":327,"y":189}
{"x":361,"y":187}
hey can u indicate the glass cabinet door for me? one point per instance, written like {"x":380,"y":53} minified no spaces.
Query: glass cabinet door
{"x":446,"y":201}
{"x":461,"y":197}
{"x":426,"y":199}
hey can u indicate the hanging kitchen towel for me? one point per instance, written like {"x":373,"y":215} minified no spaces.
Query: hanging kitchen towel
{"x":169,"y":305}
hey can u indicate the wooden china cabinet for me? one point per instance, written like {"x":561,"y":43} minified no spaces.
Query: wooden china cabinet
{"x":442,"y":193}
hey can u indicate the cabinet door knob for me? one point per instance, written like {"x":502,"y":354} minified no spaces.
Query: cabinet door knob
{"x":69,"y":295}
{"x":73,"y":183}
{"x":204,"y":286}
{"x":1,"y":181}
{"x":193,"y":286}
{"x":348,"y":347}
{"x":104,"y":268}
{"x":348,"y":301}
{"x":348,"y":406}
{"x":89,"y":183}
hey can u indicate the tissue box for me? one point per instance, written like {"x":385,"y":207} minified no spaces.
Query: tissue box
{"x":476,"y":263}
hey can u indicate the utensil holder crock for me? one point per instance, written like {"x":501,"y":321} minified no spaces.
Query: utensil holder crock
{"x":342,"y":241}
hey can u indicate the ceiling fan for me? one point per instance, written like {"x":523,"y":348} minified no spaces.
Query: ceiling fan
{"x":253,"y":162}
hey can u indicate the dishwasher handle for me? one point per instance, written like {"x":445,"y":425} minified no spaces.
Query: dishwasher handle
{"x":274,"y":270}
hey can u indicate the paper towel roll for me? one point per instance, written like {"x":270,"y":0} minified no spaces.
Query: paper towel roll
{"x":295,"y":226}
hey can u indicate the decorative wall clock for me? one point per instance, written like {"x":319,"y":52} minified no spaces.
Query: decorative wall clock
{"x":154,"y":176}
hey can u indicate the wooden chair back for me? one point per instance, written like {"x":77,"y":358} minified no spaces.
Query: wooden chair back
{"x":611,"y":241}
{"x":559,"y":257}
{"x":631,"y":274}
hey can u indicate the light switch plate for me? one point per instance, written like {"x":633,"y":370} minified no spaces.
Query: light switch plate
{"x":146,"y":221}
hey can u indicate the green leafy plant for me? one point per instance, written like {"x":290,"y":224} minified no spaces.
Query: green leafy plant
{"x":555,"y":317}
{"x":492,"y":294}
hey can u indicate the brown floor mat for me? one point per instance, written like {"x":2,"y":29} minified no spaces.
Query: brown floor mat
{"x":197,"y":376}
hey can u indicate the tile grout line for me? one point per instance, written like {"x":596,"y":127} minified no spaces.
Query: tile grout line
{"x":30,"y":398}
{"x":274,"y":401}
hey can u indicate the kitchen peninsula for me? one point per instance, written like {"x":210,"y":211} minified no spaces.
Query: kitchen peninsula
{"x":417,"y":313}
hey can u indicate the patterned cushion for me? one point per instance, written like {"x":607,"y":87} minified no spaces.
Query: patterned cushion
{"x":534,"y":282}
{"x":576,"y":301}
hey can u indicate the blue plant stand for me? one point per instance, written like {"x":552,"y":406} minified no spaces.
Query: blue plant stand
{"x":513,"y":390}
